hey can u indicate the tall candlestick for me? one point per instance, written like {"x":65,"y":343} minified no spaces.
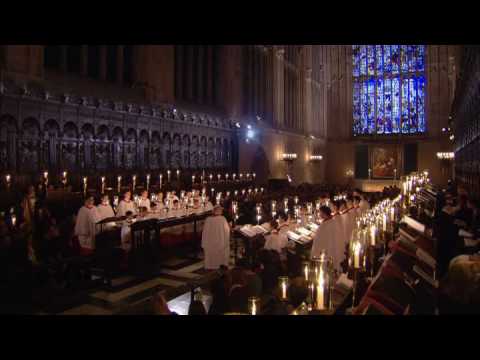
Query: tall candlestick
{"x":306,"y":269}
{"x":119,"y":183}
{"x":254,"y":176}
{"x":14,"y":220}
{"x":193,"y":179}
{"x":64,"y":178}
{"x":384,"y":226}
{"x":356,"y":255}
{"x":8,"y":179}
{"x":103,"y":184}
{"x":85,"y":185}
{"x":219,"y":177}
{"x":134,"y":182}
{"x":234,"y":176}
{"x":148,"y":181}
{"x":226,"y":177}
{"x":320,"y":292}
{"x":211,"y":177}
{"x":373,"y":234}
{"x":178,"y":174}
{"x":168,"y":175}
{"x":160,"y":181}
{"x":45,"y":176}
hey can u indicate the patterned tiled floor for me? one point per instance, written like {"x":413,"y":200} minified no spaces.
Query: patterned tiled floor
{"x":175,"y":275}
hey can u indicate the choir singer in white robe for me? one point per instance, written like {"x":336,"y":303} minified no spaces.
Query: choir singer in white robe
{"x":105,"y":211}
{"x":144,"y":200}
{"x":216,"y":240}
{"x":85,"y":226}
{"x":126,"y":205}
{"x":326,"y":238}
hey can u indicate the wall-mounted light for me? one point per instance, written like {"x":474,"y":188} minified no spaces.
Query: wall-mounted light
{"x":445,"y":155}
{"x":289,"y":156}
{"x":316,"y":157}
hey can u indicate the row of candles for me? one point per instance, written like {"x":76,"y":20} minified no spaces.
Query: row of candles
{"x":319,"y":278}
{"x":203,"y":178}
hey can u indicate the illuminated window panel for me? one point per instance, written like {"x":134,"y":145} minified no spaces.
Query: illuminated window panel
{"x":389,"y":89}
{"x":395,"y":105}
{"x":405,"y":119}
{"x":371,"y":60}
{"x":379,"y":107}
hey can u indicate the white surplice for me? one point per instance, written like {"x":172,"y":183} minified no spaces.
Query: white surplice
{"x":216,"y":242}
{"x":125,"y":206}
{"x":85,"y":228}
{"x":276,"y":241}
{"x":348,"y":223}
{"x":144,"y":203}
{"x":325,"y":238}
{"x":104,"y":212}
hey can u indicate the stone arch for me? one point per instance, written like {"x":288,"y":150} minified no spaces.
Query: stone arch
{"x":117,"y":138}
{"x":103,"y":133}
{"x":130,"y":149}
{"x":51,"y":128}
{"x":31,"y":127}
{"x":155,"y":151}
{"x":70,"y":130}
{"x":8,"y":139}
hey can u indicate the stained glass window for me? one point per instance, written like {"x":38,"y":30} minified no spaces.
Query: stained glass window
{"x":388,"y":89}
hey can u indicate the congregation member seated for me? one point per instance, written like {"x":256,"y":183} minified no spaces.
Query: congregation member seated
{"x":85,"y":229}
{"x":104,"y":209}
{"x":28,"y":205}
{"x":144,"y":201}
{"x":216,"y":240}
{"x":126,"y":204}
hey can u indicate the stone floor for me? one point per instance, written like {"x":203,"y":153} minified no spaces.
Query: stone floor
{"x":176,"y":276}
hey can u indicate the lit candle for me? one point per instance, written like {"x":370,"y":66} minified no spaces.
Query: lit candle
{"x":373,"y":233}
{"x":45,"y":176}
{"x":219,"y":177}
{"x":178,"y":174}
{"x":235,"y":192}
{"x":168,"y":175}
{"x":248,"y":176}
{"x":134,"y":182}
{"x":204,"y":191}
{"x":119,"y":183}
{"x":392,"y":214}
{"x":274,"y":204}
{"x":7,"y":178}
{"x":211,"y":177}
{"x":160,"y":182}
{"x":395,"y":174}
{"x":259,"y":217}
{"x":320,"y":294}
{"x":283,"y":285}
{"x":103,"y":184}
{"x":261,"y":190}
{"x":234,"y":176}
{"x":369,"y":173}
{"x":306,"y":269}
{"x":384,"y":228}
{"x":14,"y":220}
{"x":356,"y":255}
{"x":212,"y":191}
{"x":193,"y":179}
{"x":243,"y":192}
{"x":85,"y":184}
{"x":254,"y":176}
{"x":241,"y":176}
{"x":256,"y":190}
{"x":65,"y":177}
{"x":226,"y":177}
{"x":148,"y":181}
{"x":249,"y":191}
{"x":253,"y":302}
{"x":295,"y":199}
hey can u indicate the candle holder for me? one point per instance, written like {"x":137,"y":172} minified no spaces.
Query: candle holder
{"x":283,"y":285}
{"x":356,"y":261}
{"x":253,"y":305}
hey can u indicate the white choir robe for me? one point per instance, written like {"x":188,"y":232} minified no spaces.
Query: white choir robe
{"x":216,"y":242}
{"x":124,"y":206}
{"x":104,"y":212}
{"x":144,"y":203}
{"x":364,"y":205}
{"x":208,"y":206}
{"x":126,"y":237}
{"x":326,"y":238}
{"x":348,"y":222}
{"x":85,"y":228}
{"x":276,"y":241}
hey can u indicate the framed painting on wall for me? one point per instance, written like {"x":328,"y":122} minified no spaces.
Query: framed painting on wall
{"x":383,"y":161}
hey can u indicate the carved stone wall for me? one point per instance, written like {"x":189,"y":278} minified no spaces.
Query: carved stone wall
{"x":44,"y":131}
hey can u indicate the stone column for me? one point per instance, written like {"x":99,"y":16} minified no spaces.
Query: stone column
{"x":84,"y":61}
{"x":278,"y":87}
{"x":209,"y":74}
{"x":63,"y":58}
{"x":103,"y":62}
{"x":190,"y":69}
{"x":200,"y":74}
{"x":179,"y":73}
{"x":120,"y":64}
{"x":308,"y":120}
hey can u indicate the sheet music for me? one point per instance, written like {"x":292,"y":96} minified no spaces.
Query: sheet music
{"x":304,"y":231}
{"x":425,"y":276}
{"x":465,"y":234}
{"x":426,"y":258}
{"x":414,"y":224}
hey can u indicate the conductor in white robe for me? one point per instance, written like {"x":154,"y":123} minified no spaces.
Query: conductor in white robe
{"x":326,"y":238}
{"x":126,"y":205}
{"x":216,"y":240}
{"x":85,"y":225}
